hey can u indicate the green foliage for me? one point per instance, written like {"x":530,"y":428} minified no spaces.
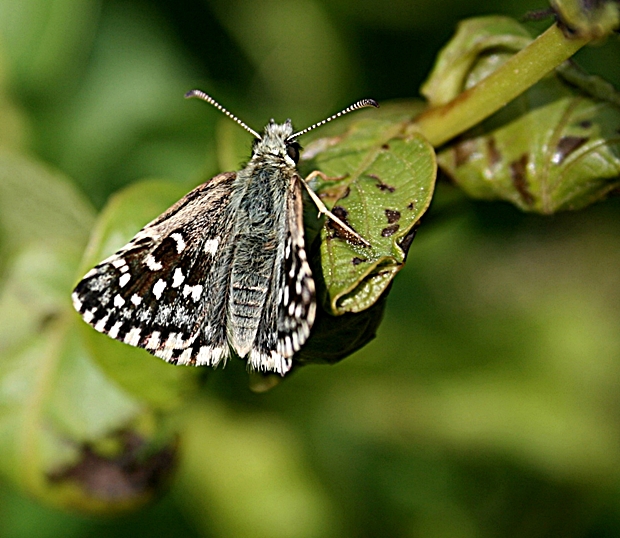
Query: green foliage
{"x":66,"y":426}
{"x":595,"y":20}
{"x":486,"y":405}
{"x":385,"y":186}
{"x":553,"y":148}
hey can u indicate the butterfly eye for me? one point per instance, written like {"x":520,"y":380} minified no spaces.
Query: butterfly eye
{"x":292,"y":150}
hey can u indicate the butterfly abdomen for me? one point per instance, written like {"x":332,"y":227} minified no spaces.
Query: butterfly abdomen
{"x":258,"y":251}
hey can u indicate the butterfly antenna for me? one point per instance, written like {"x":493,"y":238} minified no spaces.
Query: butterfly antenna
{"x":202,"y":95}
{"x":362,"y":103}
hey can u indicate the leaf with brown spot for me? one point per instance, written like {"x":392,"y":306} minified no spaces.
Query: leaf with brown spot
{"x":554,"y":148}
{"x":63,"y":395}
{"x":388,"y":175}
{"x":127,"y":477}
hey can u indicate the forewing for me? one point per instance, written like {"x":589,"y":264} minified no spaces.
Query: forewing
{"x":290,"y":312}
{"x":165,"y":290}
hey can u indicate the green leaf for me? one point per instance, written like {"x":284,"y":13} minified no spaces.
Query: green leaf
{"x":245,"y":474}
{"x":595,"y":20}
{"x":12,"y":120}
{"x":44,"y":225}
{"x":37,"y":204}
{"x":70,"y":434}
{"x":46,"y":59}
{"x":554,"y":148}
{"x":127,"y":117}
{"x":473,"y":41}
{"x":382,"y":183}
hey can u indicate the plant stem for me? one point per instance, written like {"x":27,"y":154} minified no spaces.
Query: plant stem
{"x":520,"y":72}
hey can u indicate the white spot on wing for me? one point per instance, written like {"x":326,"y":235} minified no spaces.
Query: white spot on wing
{"x":118,"y":301}
{"x":115,"y":328}
{"x":211,"y":356}
{"x":153,"y":341}
{"x":136,"y":299}
{"x":185,"y":357}
{"x":177,"y":278}
{"x":77,"y":303}
{"x":100,"y":325}
{"x":295,"y":341}
{"x":174,"y":341}
{"x":281,"y":365}
{"x":311,"y":312}
{"x":179,"y":241}
{"x":165,"y":354}
{"x":133,"y":336}
{"x":159,"y":288}
{"x":211,"y":246}
{"x":288,"y":347}
{"x":152,"y":263}
{"x":194,"y":291}
{"x":122,"y":281}
{"x":119,"y":262}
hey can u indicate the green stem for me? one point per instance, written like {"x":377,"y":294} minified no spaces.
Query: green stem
{"x":519,"y":73}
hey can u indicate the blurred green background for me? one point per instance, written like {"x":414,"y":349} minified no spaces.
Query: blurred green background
{"x":488,"y":405}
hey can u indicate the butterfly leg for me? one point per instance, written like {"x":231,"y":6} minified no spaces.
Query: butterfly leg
{"x":324,"y":211}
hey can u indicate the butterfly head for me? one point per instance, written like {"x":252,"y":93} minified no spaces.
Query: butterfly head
{"x":277,"y":143}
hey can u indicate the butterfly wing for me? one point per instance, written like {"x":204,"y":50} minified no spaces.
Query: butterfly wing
{"x":165,"y":291}
{"x":290,"y":311}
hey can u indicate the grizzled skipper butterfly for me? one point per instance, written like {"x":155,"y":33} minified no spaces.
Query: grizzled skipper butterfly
{"x":224,"y":269}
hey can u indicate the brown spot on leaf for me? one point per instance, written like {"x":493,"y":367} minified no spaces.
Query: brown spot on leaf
{"x":381,"y":185}
{"x":341,"y":213}
{"x":357,"y":261}
{"x":518,"y":171}
{"x":410,"y":206}
{"x":128,"y":476}
{"x":385,"y":146}
{"x":566,"y":145}
{"x":390,"y":230}
{"x":392,"y":215}
{"x":463,"y":152}
{"x":346,"y":193}
{"x":495,"y":157}
{"x":335,"y":230}
{"x":585,"y":124}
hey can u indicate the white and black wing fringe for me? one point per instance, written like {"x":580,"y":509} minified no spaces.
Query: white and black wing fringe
{"x":170,"y":291}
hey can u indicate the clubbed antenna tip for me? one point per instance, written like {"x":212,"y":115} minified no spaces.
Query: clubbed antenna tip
{"x":362,"y":103}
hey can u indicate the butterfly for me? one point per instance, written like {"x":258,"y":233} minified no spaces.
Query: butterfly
{"x":223,"y":271}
